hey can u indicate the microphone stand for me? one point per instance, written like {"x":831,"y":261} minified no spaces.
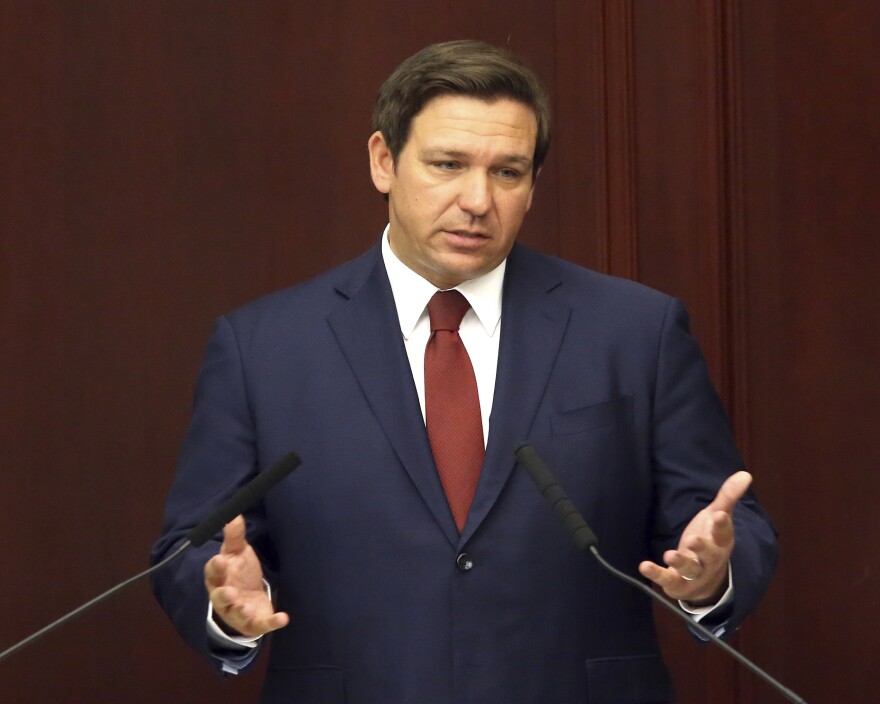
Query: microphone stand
{"x":584,"y":538}
{"x":92,"y":602}
{"x":239,"y":502}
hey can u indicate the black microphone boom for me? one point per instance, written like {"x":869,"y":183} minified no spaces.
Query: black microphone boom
{"x":243,"y":499}
{"x":238,"y":503}
{"x":585,"y":539}
{"x":571,"y":518}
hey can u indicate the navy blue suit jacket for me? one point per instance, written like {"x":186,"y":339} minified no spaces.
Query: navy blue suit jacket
{"x":600,"y":375}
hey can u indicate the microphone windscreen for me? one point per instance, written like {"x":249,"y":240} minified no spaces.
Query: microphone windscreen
{"x":555,"y":495}
{"x":243,"y":499}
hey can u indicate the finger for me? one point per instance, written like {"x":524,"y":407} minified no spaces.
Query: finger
{"x":245,"y":617}
{"x":234,"y":540}
{"x":715,"y":543}
{"x":651,"y":570}
{"x":710,"y":555}
{"x":733,"y":489}
{"x":667,"y":578}
{"x":234,"y":609}
{"x":234,"y":615}
{"x":723,"y":531}
{"x":225,"y":600}
{"x":215,"y":572}
{"x":272,"y":623}
{"x":706,"y":587}
{"x":688,"y":566}
{"x":253,"y":627}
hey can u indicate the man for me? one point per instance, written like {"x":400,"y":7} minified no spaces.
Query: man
{"x":410,"y":560}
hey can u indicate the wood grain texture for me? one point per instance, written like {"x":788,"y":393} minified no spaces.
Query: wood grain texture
{"x":163,"y":162}
{"x":811,"y":107}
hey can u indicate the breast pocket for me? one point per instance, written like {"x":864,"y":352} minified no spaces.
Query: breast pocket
{"x":616,"y":411}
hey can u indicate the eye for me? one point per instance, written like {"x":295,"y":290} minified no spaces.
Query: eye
{"x":446,"y":165}
{"x":509,"y":173}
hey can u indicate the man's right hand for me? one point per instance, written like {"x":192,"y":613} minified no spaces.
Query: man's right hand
{"x":234,"y":580}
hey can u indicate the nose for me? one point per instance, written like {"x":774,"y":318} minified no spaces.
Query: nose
{"x":476,"y":193}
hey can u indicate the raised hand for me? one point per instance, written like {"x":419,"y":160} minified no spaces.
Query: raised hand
{"x":234,"y":580}
{"x":697,"y":571}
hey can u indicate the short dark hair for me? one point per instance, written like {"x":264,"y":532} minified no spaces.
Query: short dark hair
{"x":462,"y":67}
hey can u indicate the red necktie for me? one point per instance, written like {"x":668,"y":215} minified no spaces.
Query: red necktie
{"x":452,"y":404}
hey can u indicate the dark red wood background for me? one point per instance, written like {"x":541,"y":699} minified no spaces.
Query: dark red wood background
{"x":161,"y":162}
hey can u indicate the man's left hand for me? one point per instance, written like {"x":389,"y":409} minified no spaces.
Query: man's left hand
{"x":697,"y":571}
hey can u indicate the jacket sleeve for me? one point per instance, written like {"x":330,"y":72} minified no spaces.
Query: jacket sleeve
{"x":218,"y":456}
{"x":693,"y":453}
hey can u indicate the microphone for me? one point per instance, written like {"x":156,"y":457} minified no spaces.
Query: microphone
{"x":584,"y":538}
{"x":243,"y":499}
{"x":239,"y":502}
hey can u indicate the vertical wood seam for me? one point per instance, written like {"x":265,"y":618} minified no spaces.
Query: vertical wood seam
{"x":733,"y":290}
{"x":621,"y":246}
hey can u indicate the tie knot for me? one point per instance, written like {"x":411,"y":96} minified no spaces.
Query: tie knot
{"x":446,"y":309}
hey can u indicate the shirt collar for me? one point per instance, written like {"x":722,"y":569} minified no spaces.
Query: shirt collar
{"x":412,"y":292}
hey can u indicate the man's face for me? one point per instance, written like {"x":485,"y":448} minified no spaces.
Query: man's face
{"x":460,"y":188}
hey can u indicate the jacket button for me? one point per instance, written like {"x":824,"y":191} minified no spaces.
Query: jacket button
{"x":464,"y":562}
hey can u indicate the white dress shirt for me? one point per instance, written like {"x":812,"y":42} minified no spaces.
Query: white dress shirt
{"x":480,"y":328}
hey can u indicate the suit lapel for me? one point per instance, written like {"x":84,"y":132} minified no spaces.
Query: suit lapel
{"x":368,"y":331}
{"x":532,"y":328}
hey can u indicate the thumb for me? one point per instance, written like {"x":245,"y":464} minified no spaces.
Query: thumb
{"x":733,"y":489}
{"x":234,"y":537}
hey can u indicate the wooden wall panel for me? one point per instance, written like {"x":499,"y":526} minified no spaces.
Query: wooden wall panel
{"x":811,"y":110}
{"x":579,"y":180}
{"x":682,"y":232}
{"x":595,"y":142}
{"x":679,"y":159}
{"x":164,"y":161}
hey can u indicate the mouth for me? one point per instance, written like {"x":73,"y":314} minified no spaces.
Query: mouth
{"x":465,"y":241}
{"x":467,"y":234}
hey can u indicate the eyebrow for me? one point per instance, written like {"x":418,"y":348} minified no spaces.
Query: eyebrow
{"x":519,"y":159}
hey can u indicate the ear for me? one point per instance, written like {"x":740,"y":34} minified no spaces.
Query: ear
{"x":381,"y":163}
